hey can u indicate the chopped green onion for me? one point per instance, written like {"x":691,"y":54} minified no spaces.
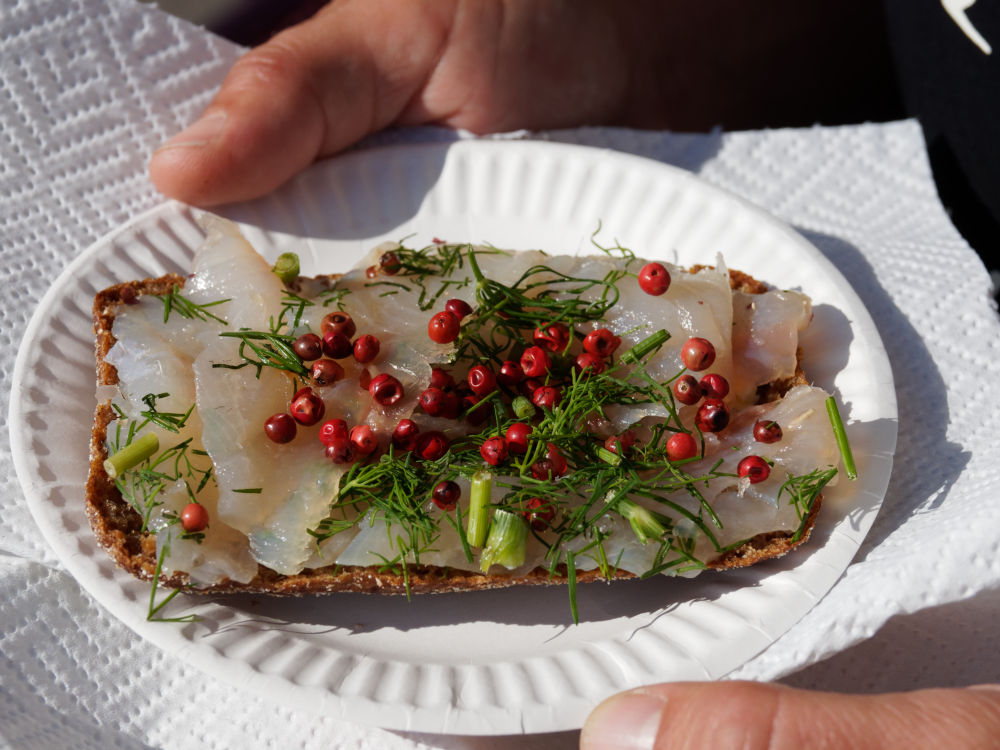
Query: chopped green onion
{"x":645,"y":347}
{"x":522,"y":407}
{"x":841,"y":436}
{"x":479,"y":503}
{"x":287,"y":267}
{"x":132,"y":455}
{"x":643,"y":521}
{"x":507,"y":542}
{"x":609,"y":457}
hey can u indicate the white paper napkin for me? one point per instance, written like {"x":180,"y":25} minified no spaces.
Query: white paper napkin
{"x":89,"y":87}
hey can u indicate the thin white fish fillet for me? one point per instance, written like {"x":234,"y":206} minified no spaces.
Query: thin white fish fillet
{"x":766,"y":331}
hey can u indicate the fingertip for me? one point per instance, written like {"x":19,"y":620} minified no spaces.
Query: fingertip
{"x":685,"y":716}
{"x":260,"y":130}
{"x":185,"y":166}
{"x":761,"y":716}
{"x":627,"y":721}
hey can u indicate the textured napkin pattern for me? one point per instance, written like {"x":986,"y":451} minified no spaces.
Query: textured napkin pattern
{"x":89,"y":87}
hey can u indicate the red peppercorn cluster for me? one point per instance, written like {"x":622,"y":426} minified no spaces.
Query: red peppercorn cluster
{"x":321,"y":353}
{"x":534,"y":376}
{"x":756,"y":469}
{"x":530,"y":383}
{"x":338,"y":340}
{"x":343,"y":444}
{"x":306,"y":408}
{"x":698,"y":354}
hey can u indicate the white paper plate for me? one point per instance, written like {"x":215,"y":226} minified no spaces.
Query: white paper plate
{"x":487,"y":662}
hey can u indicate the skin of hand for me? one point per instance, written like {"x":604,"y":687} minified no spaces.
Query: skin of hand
{"x":359,"y":66}
{"x":756,"y":716}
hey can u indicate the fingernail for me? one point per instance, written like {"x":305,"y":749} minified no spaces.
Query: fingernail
{"x":198,"y":134}
{"x":992,"y":688}
{"x":624,"y":722}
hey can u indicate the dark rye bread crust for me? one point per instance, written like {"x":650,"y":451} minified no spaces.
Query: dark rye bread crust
{"x":118,"y":526}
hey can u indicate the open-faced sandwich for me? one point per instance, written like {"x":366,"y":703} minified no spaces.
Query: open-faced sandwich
{"x":450,"y":418}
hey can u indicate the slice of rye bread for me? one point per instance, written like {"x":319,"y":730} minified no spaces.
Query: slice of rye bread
{"x":118,"y":526}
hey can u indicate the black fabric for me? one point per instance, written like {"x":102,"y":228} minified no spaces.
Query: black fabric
{"x":953,"y":87}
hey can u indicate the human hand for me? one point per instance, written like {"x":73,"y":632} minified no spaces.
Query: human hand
{"x":756,"y":716}
{"x":492,"y":65}
{"x":359,"y":66}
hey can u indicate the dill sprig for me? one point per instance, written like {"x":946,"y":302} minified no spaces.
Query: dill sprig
{"x":293,"y":307}
{"x":143,"y":484}
{"x":174,"y":301}
{"x":155,"y":607}
{"x":802,"y":492}
{"x":393,"y":490}
{"x":624,"y":254}
{"x":171,"y":421}
{"x":430,"y":270}
{"x":334,"y":296}
{"x":260,"y":349}
{"x":539,"y":297}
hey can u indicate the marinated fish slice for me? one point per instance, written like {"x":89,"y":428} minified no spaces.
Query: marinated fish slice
{"x":154,"y":358}
{"x":222,"y":553}
{"x":695,"y":304}
{"x":743,"y":509}
{"x":270,"y":492}
{"x":766,"y":331}
{"x":807,"y":446}
{"x":281,"y":541}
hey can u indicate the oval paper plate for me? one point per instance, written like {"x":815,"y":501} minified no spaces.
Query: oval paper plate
{"x":494,"y":662}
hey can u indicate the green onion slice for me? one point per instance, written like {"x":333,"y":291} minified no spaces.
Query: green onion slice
{"x":479,"y":508}
{"x":507,"y":542}
{"x":841,"y":436}
{"x":287,"y":267}
{"x":132,"y":455}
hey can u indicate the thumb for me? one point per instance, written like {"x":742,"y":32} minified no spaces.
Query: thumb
{"x":312,"y":90}
{"x":753,"y":716}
